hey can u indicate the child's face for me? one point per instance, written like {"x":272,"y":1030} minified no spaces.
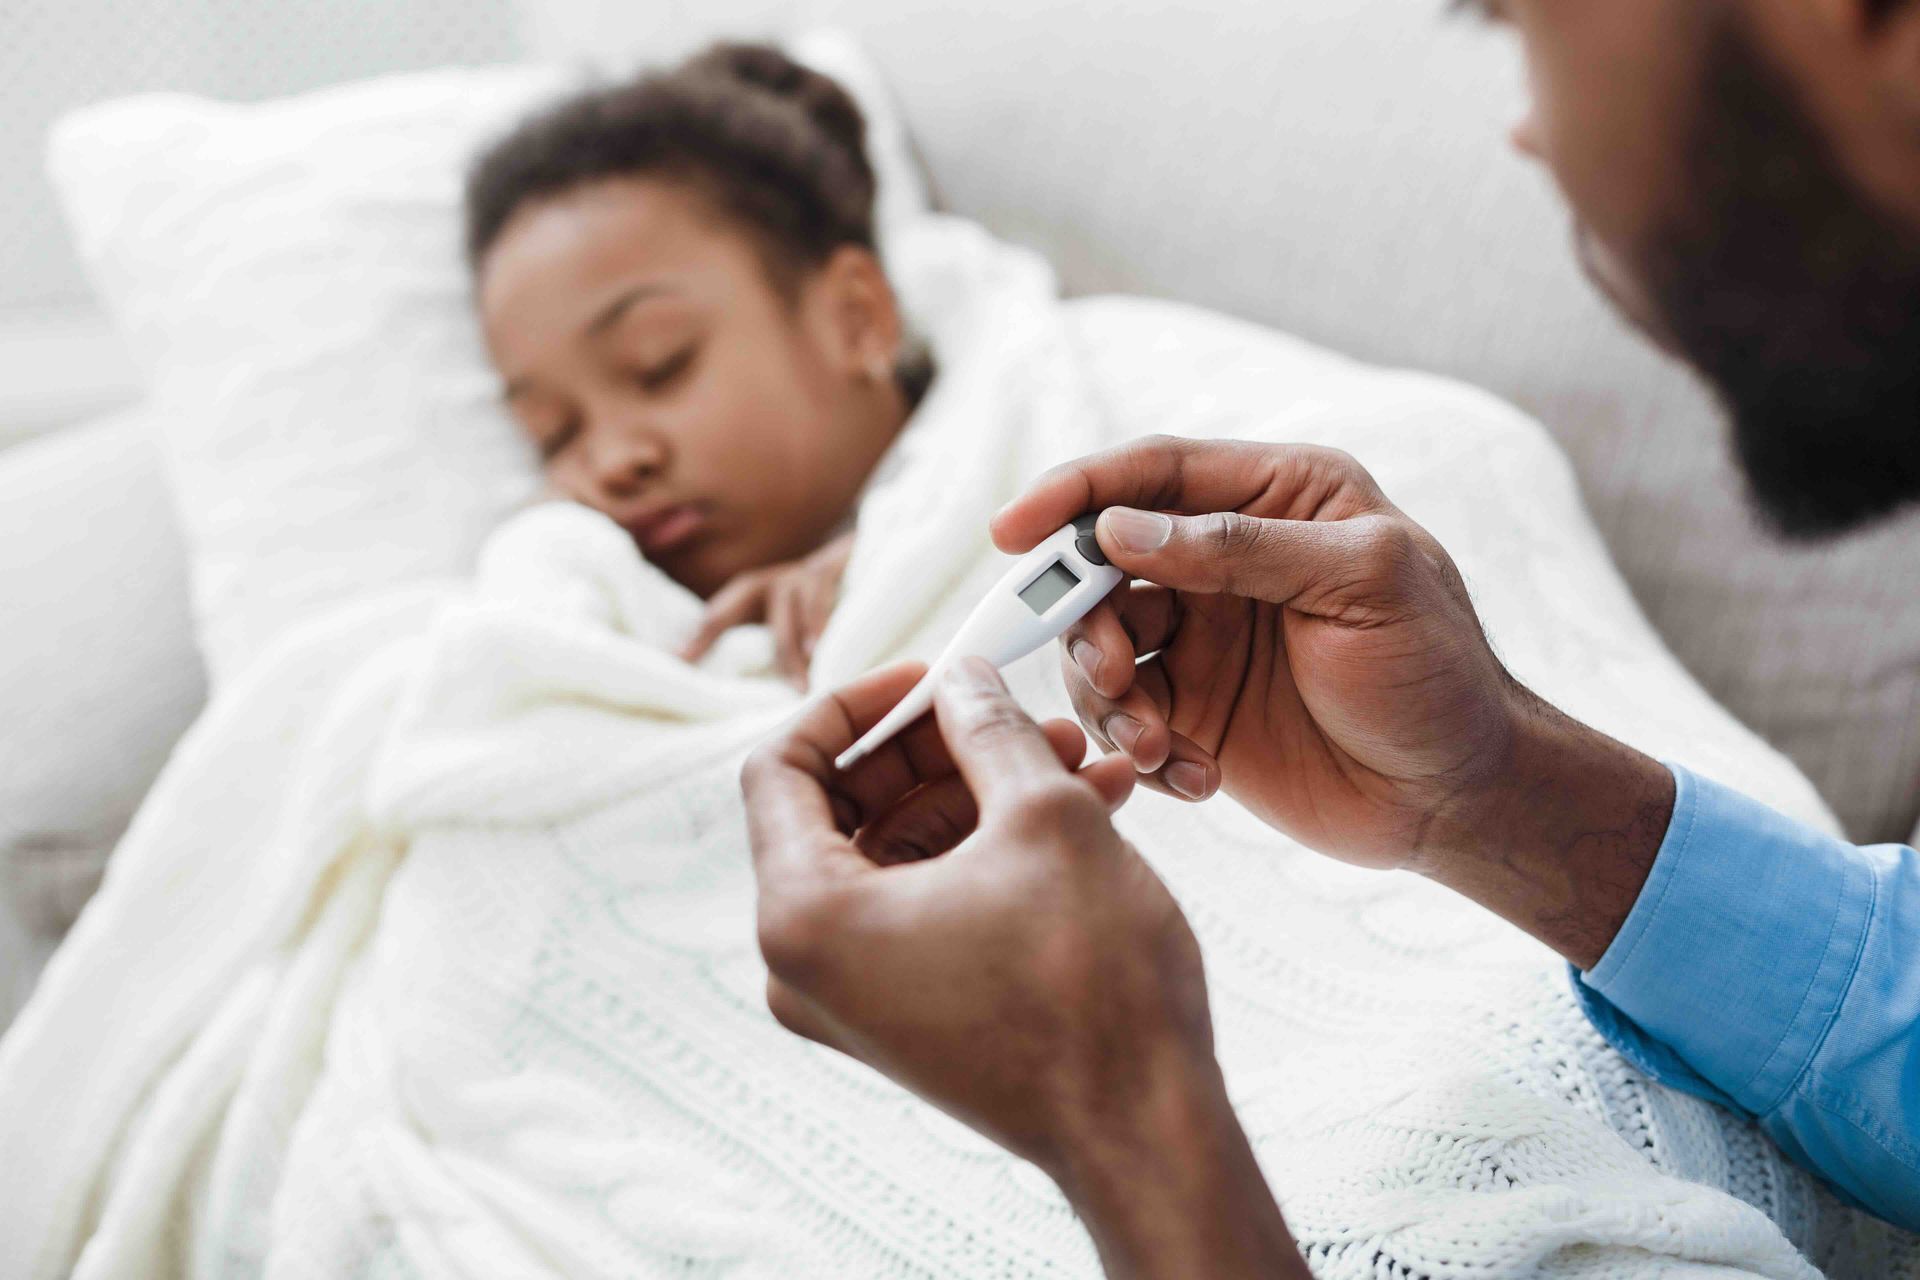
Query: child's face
{"x":669,"y":384}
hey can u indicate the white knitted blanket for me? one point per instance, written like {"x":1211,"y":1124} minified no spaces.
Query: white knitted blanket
{"x":432,"y":953}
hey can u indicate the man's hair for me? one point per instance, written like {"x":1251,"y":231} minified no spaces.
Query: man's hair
{"x":774,"y":145}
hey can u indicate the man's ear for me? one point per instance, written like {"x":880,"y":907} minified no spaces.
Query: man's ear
{"x":861,"y":310}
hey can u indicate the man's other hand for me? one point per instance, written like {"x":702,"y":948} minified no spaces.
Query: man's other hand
{"x":958,"y":912}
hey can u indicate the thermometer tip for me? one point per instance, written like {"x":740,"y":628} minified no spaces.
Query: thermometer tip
{"x":850,"y":757}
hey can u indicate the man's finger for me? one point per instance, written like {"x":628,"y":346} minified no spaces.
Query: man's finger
{"x":791,"y":821}
{"x":1166,"y":473}
{"x":911,"y":758}
{"x":791,"y":826}
{"x":939,"y":815}
{"x":915,"y":756}
{"x":740,"y":601}
{"x":1137,"y":620}
{"x":1130,"y":724}
{"x":1112,"y":776}
{"x":1313,"y":566}
{"x":1149,"y":613}
{"x":996,"y":746}
{"x":1189,"y":771}
{"x":1100,"y":649}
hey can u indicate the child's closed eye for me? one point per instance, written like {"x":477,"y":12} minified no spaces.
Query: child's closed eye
{"x":662,"y":374}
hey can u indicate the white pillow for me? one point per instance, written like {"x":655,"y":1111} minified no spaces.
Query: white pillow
{"x":290,"y":276}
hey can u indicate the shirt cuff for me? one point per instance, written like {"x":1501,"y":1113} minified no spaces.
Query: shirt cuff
{"x":1735,"y":958}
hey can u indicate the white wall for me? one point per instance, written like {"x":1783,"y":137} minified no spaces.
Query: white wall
{"x":58,"y":360}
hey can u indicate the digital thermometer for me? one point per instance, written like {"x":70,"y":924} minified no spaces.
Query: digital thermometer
{"x":1052,"y":587}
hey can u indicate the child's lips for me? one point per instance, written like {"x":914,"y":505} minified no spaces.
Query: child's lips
{"x":669,"y":528}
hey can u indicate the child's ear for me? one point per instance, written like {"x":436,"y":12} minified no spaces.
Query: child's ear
{"x":862,"y":312}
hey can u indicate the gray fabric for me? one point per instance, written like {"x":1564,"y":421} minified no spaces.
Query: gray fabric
{"x":1339,"y":169}
{"x":98,"y":672}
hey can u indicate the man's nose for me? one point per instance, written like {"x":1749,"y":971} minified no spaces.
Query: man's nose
{"x":1527,"y":137}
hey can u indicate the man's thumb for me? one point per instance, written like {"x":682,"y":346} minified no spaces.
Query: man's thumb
{"x":1227,"y":553}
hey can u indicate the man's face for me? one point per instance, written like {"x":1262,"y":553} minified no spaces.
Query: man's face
{"x":1745,"y":183}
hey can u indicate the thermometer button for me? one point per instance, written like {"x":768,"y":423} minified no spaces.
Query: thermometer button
{"x":1085,"y":543}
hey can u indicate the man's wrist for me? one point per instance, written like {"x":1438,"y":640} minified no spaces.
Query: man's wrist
{"x":1561,"y":838}
{"x":1173,"y":1188}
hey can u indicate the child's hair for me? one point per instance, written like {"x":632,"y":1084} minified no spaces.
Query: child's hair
{"x":773,"y":144}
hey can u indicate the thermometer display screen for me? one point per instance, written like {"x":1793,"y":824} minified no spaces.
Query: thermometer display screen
{"x":1050,"y":587}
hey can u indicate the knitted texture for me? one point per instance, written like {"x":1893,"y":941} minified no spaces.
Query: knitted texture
{"x":432,"y":953}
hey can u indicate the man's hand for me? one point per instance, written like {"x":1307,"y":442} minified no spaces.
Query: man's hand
{"x":1314,"y":651}
{"x":959,"y":913}
{"x":794,"y":600}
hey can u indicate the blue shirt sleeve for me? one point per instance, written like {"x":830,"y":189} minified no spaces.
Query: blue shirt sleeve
{"x":1775,"y":969}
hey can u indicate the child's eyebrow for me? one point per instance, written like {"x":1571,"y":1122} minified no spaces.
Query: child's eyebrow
{"x":618,"y":307}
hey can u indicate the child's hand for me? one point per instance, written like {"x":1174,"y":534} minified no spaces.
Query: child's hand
{"x":794,"y":599}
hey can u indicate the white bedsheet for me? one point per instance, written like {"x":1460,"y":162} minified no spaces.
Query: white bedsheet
{"x":432,"y":953}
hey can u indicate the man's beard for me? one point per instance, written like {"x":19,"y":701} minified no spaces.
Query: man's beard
{"x":1797,"y":298}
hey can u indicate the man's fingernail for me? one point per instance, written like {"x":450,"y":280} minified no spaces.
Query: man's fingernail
{"x":1137,"y":531}
{"x":1188,"y":778}
{"x":1086,"y":656}
{"x":1122,"y":730}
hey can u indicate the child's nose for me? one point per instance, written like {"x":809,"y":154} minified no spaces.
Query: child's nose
{"x":624,"y":460}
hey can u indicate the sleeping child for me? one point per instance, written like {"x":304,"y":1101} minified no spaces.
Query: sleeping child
{"x":678,"y":280}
